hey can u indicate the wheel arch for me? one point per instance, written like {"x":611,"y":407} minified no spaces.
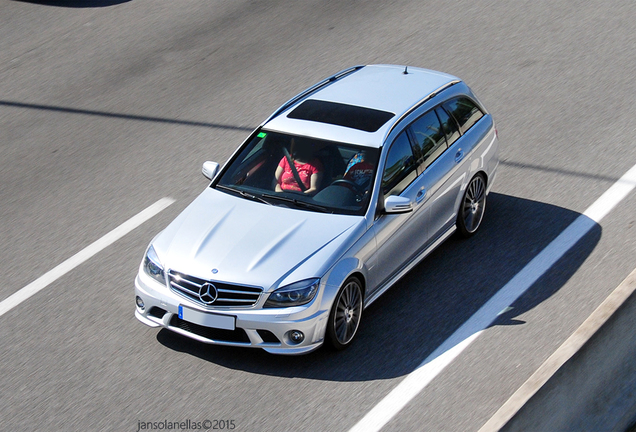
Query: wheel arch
{"x":484,"y":174}
{"x":362,"y":279}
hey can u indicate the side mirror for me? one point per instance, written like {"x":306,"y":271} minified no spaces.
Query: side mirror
{"x":397,"y":204}
{"x":210,"y":169}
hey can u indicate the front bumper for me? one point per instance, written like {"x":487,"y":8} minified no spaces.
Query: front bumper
{"x":268,"y":329}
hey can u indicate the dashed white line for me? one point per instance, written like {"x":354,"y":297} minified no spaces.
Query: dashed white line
{"x":417,"y":380}
{"x":83,"y":255}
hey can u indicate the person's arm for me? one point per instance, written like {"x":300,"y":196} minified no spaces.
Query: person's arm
{"x":314,"y":181}
{"x":277,"y":176}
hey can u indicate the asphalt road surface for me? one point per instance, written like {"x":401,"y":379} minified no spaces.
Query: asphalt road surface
{"x":107,"y":106}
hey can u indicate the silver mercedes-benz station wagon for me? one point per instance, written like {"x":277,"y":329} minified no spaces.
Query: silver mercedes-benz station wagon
{"x":329,"y":202}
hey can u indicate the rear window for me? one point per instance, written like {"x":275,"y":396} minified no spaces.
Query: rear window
{"x":351,"y":116}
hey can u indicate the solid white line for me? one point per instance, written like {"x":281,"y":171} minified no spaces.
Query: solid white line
{"x":565,"y":352}
{"x":83,"y":255}
{"x":417,"y":380}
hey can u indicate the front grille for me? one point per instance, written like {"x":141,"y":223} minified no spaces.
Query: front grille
{"x":218,"y":335}
{"x":228,"y":295}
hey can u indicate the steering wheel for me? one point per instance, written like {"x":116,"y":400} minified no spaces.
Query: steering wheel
{"x":359,"y":190}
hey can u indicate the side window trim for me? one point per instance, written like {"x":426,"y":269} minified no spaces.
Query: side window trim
{"x":450,"y":114}
{"x":441,"y":126}
{"x":416,"y":151}
{"x":441,"y":108}
{"x":423,"y":164}
{"x":420,"y":164}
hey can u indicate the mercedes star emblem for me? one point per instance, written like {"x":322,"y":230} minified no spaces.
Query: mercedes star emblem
{"x":208,"y":293}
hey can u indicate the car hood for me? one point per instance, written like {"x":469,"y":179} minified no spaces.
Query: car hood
{"x":231,"y":239}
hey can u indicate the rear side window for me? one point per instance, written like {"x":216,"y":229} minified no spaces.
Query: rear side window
{"x":449,"y":126}
{"x":401,"y":167}
{"x":465,"y":112}
{"x":429,"y":139}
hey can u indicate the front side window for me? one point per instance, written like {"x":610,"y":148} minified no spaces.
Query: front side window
{"x":401,"y":166}
{"x":465,"y":112}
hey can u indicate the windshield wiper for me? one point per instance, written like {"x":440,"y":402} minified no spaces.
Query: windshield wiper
{"x":243,"y":194}
{"x":299,"y":203}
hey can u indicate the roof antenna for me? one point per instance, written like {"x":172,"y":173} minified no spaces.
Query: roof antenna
{"x":406,"y":70}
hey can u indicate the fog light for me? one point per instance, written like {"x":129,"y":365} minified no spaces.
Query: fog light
{"x":140,"y":303}
{"x":296,"y":336}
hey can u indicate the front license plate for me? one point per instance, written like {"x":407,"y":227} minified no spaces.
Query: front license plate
{"x":225,"y":322}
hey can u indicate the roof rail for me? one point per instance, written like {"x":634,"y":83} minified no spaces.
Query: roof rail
{"x":312,"y":89}
{"x":419,"y":104}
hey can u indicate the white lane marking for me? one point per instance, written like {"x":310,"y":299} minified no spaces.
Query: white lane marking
{"x":562,"y":355}
{"x":83,"y":255}
{"x":417,"y":380}
{"x":612,"y":196}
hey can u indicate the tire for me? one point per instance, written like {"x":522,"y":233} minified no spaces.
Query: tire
{"x":345,"y":315}
{"x":472,"y":207}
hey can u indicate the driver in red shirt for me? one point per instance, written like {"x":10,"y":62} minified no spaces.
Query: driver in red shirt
{"x":309,"y":170}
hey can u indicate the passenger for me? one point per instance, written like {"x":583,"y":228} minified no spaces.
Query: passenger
{"x":359,"y":170}
{"x":308,"y":169}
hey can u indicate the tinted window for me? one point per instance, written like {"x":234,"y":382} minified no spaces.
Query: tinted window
{"x":351,"y":116}
{"x":400,"y":168}
{"x":465,"y":112}
{"x":430,"y":140}
{"x":448,"y":125}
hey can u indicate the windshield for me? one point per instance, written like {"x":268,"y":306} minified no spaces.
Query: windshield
{"x":302,"y":172}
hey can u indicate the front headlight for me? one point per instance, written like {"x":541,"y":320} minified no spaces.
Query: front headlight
{"x":295,"y":294}
{"x":152,"y":266}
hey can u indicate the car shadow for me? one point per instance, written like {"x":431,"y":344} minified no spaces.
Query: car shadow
{"x":76,"y":4}
{"x":412,"y":319}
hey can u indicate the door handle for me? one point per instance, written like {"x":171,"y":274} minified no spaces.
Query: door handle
{"x":420,"y":195}
{"x":459,"y":155}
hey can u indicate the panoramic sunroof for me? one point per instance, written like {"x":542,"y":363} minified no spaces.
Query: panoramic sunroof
{"x":351,"y":116}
